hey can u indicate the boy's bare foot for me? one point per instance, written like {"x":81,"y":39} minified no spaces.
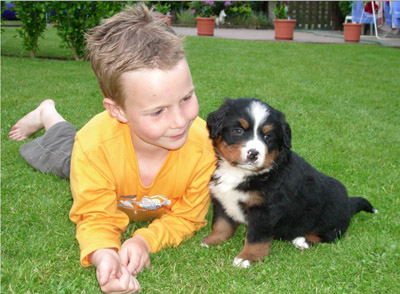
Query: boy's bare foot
{"x":30,"y":123}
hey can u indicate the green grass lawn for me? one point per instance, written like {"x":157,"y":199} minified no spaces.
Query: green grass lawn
{"x":342,"y":102}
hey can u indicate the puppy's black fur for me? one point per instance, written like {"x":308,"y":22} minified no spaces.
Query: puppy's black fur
{"x":259,"y":181}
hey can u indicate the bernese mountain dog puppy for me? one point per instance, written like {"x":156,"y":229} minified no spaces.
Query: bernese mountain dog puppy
{"x":260,"y":182}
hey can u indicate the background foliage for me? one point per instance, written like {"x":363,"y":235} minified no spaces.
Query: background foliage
{"x":74,"y":18}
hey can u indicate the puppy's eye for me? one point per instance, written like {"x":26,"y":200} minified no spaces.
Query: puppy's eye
{"x":267,"y":136}
{"x":238,"y":131}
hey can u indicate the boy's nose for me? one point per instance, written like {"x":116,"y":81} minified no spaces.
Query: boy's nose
{"x":178,"y":119}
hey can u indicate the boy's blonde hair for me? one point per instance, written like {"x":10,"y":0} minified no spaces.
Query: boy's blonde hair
{"x":131,"y":40}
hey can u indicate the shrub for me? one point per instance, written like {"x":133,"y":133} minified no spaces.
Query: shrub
{"x":163,"y":8}
{"x":239,"y":11}
{"x":254,"y":20}
{"x":74,"y":19}
{"x":260,"y":20}
{"x":3,"y":7}
{"x":33,"y":19}
{"x":186,"y":17}
{"x":345,"y":7}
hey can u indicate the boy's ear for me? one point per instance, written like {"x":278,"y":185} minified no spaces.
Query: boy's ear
{"x":114,"y":110}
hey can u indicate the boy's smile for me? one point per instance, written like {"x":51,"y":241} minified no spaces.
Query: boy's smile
{"x":177,"y":137}
{"x":160,"y":107}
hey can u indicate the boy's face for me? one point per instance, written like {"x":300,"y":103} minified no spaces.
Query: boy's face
{"x":160,"y":106}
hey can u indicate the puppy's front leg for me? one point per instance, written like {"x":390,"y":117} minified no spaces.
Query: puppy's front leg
{"x":222,"y":229}
{"x":252,"y":252}
{"x":258,"y":240}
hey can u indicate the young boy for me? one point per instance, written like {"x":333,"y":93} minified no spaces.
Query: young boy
{"x":146,"y":157}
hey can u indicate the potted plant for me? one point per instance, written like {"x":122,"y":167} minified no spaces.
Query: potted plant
{"x":164,"y":9}
{"x":205,"y":12}
{"x":352,"y":30}
{"x":284,"y":27}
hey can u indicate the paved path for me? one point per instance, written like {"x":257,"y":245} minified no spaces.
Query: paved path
{"x":303,"y":36}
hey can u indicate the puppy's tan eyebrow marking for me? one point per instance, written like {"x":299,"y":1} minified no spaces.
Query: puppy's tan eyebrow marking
{"x":267,"y":128}
{"x":244,"y":123}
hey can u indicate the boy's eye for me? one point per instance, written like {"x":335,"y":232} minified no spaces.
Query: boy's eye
{"x":157,"y":113}
{"x":187,"y":98}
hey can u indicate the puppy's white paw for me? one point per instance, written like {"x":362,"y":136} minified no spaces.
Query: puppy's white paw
{"x":238,"y":262}
{"x":202,"y":244}
{"x":300,"y":243}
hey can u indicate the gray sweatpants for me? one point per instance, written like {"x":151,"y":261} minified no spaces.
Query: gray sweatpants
{"x":51,"y":153}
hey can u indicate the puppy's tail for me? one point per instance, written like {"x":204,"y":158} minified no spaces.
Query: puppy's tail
{"x":358,"y":204}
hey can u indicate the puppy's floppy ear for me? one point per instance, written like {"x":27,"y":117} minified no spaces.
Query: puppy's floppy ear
{"x":286,"y":131}
{"x":287,"y":135}
{"x":215,"y":119}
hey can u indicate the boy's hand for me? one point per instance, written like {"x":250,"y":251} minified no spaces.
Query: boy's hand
{"x":134,"y":254}
{"x":111,"y":275}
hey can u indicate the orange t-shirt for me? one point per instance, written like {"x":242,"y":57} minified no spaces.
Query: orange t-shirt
{"x":107,"y":190}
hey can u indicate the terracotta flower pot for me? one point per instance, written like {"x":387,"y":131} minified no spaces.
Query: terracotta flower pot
{"x":352,"y":32}
{"x":167,"y":17}
{"x":284,"y":29}
{"x":205,"y":26}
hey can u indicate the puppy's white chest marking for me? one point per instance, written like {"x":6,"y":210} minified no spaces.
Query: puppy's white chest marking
{"x":223,"y":189}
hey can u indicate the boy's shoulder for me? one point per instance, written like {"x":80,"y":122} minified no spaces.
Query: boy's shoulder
{"x":99,"y":130}
{"x":198,"y":135}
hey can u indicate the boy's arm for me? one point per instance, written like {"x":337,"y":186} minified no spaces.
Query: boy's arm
{"x":99,"y":224}
{"x":187,"y":215}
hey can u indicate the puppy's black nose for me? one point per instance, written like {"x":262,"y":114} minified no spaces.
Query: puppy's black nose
{"x":252,"y":154}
